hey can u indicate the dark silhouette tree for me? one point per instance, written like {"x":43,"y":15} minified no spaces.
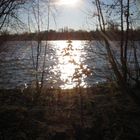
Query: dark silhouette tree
{"x":9,"y":10}
{"x":122,"y":68}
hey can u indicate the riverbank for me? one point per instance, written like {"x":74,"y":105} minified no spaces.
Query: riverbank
{"x":100,"y":113}
{"x":114,"y":35}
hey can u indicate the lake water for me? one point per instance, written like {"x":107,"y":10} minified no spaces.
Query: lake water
{"x":67,"y":64}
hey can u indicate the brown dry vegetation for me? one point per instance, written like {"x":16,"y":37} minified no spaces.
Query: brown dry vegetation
{"x":99,"y":113}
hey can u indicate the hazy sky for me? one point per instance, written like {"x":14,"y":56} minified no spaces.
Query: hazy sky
{"x":64,"y":13}
{"x":74,"y":16}
{"x":80,"y":15}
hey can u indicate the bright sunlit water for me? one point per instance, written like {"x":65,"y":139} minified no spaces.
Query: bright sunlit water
{"x":68,"y":64}
{"x":71,"y":64}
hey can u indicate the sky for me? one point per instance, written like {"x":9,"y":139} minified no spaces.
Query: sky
{"x":74,"y":14}
{"x":80,"y":15}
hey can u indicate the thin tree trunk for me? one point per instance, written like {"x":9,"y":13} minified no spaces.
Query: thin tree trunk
{"x":126,"y":42}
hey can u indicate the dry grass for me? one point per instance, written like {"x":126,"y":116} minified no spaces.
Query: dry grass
{"x":99,"y":113}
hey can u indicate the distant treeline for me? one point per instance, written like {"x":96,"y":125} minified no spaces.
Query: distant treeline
{"x":73,"y":35}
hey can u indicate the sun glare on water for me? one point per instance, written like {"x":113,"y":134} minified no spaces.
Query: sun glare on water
{"x":73,"y":71}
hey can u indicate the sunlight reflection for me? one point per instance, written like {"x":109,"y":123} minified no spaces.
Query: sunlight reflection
{"x":70,"y":65}
{"x":66,"y":2}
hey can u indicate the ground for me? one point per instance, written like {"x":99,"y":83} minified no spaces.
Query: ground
{"x":97,"y":113}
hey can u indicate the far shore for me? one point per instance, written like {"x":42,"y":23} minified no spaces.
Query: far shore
{"x":114,"y":35}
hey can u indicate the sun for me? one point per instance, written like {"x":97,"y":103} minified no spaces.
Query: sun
{"x":68,"y":2}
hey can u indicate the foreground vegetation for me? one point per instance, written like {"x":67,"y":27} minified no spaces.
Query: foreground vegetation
{"x":100,"y":113}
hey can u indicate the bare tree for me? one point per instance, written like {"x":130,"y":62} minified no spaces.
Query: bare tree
{"x":39,"y":50}
{"x":122,"y":68}
{"x":9,"y":10}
